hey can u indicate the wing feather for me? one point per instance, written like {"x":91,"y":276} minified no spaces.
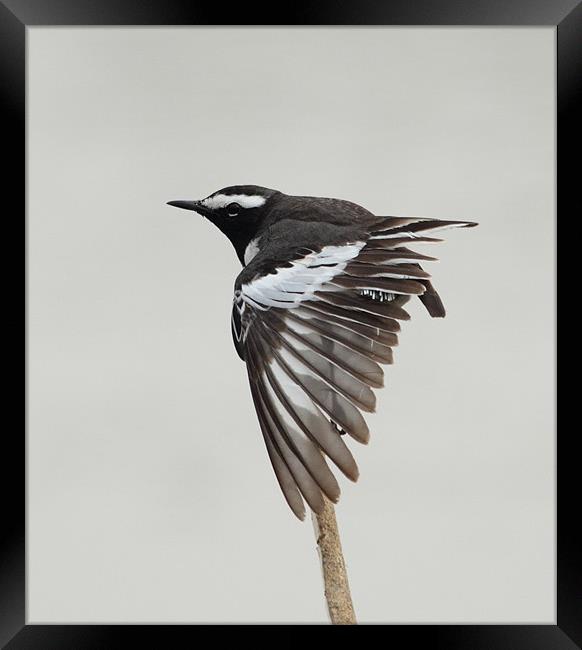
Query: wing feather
{"x":310,"y":419}
{"x":340,"y":409}
{"x":353,"y":300}
{"x":357,"y":342}
{"x":381,"y":335}
{"x":313,"y":331}
{"x":351,"y":361}
{"x":285,"y":479}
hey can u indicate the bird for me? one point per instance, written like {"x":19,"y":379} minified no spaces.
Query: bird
{"x":316,"y":311}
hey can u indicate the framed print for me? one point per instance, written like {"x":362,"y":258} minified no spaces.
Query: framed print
{"x":145,"y":500}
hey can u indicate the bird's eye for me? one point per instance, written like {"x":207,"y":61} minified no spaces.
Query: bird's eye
{"x":232,"y":209}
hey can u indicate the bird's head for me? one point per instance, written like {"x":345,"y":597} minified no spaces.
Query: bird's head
{"x":238,"y":210}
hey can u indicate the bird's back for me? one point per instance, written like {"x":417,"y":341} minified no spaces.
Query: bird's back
{"x":321,"y":210}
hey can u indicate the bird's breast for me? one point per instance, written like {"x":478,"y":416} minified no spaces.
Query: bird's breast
{"x":251,"y":250}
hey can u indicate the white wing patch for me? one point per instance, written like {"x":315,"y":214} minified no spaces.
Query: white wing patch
{"x":217,"y":201}
{"x":290,"y":286}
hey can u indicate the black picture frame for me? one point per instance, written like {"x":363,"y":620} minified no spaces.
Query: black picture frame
{"x":15,"y":16}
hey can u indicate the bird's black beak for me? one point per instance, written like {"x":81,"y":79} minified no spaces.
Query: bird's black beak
{"x":190,"y":205}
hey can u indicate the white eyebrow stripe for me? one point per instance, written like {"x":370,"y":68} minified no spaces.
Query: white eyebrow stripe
{"x":244,"y":200}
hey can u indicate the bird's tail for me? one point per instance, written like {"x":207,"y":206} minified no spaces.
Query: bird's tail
{"x":432,"y":301}
{"x":391,"y":233}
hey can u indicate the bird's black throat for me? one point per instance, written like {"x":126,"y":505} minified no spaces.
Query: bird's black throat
{"x":241,"y":231}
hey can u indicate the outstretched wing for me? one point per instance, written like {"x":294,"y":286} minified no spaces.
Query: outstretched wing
{"x":314,"y":331}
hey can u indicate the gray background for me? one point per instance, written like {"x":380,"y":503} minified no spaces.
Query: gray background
{"x":150,"y":495}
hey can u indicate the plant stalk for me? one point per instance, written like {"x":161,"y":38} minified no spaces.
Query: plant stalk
{"x":333,"y":567}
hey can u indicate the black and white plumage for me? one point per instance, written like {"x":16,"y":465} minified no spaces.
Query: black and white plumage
{"x":316,"y":311}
